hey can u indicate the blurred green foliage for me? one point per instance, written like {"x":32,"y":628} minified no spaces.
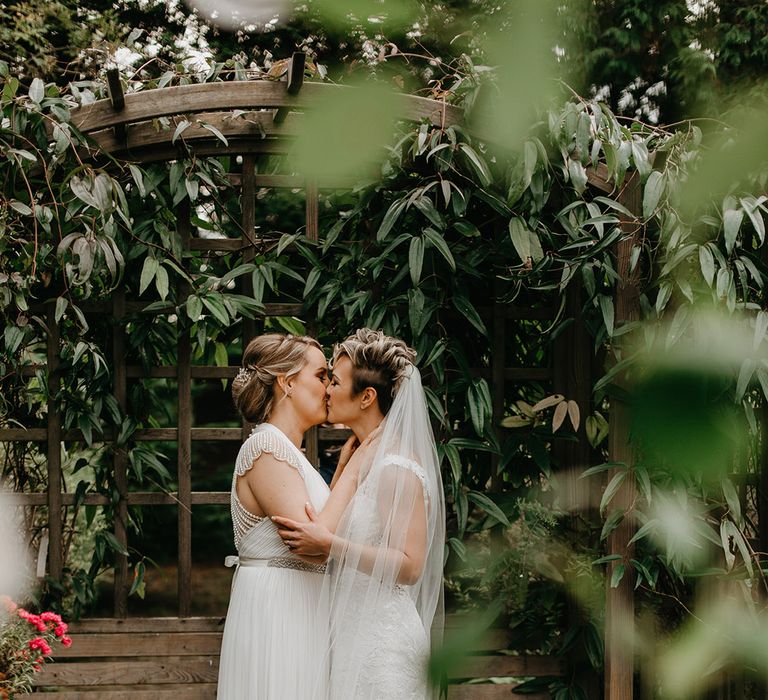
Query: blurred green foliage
{"x":455,"y":218}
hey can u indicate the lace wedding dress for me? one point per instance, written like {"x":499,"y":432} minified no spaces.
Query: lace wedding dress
{"x":385,"y":612}
{"x":276,"y":630}
{"x":385,"y":658}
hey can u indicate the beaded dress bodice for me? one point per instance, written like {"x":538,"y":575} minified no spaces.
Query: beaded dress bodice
{"x":268,"y":438}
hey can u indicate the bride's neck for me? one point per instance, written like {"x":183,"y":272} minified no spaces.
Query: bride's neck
{"x":366,"y":424}
{"x":289,"y":426}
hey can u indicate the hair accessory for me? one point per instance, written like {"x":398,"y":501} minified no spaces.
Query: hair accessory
{"x":244,"y":375}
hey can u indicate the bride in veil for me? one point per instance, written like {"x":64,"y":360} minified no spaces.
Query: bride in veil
{"x":384,"y":578}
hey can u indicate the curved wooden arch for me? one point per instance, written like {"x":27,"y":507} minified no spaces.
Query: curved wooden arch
{"x":128,"y":124}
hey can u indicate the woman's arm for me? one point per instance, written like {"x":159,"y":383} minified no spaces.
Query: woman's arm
{"x":347,"y":450}
{"x":405,"y":552}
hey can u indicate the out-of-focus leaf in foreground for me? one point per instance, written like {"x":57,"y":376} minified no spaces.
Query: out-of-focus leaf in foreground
{"x":521,"y":47}
{"x":346,"y":131}
{"x":684,"y":413}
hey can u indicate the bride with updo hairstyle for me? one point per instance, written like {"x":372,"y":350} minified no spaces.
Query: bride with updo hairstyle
{"x":276,"y":628}
{"x":384,"y":580}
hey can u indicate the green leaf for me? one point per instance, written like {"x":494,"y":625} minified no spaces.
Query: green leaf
{"x":312,"y":279}
{"x":437,"y":240}
{"x":465,"y":308}
{"x":606,"y":307}
{"x":148,"y":272}
{"x":707,"y":263}
{"x":194,"y":308}
{"x":61,"y":307}
{"x":37,"y":91}
{"x":732,"y":499}
{"x":416,"y":258}
{"x":521,"y":239}
{"x":220,"y":355}
{"x":488,"y":506}
{"x":617,"y":575}
{"x":390,"y":218}
{"x":162,"y":282}
{"x":732,"y":219}
{"x":610,"y":491}
{"x":477,"y":164}
{"x":654,"y":187}
{"x":183,"y":124}
{"x":215,"y":132}
{"x":611,"y":523}
{"x":645,"y":530}
{"x":214,"y":305}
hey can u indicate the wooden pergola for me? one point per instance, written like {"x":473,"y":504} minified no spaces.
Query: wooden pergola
{"x":125,"y":652}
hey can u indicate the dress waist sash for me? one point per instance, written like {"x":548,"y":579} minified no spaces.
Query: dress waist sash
{"x":275,"y":562}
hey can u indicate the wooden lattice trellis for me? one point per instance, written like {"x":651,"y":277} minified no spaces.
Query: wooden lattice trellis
{"x":123,"y":125}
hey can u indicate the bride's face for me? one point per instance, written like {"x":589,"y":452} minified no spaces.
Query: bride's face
{"x":308,"y":388}
{"x":342,"y":406}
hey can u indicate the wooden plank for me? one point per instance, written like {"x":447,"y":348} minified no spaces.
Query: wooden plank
{"x":249,"y":95}
{"x":53,"y":436}
{"x":197,"y":691}
{"x":120,"y":456}
{"x":90,"y":673}
{"x":140,"y":498}
{"x":136,"y":307}
{"x":620,"y":605}
{"x":184,"y":440}
{"x":504,"y":665}
{"x":491,"y":692}
{"x":252,"y":124}
{"x":152,"y":644}
{"x":147,"y":625}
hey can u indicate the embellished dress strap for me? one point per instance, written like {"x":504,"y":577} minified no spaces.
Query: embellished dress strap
{"x":411,"y":466}
{"x":267,"y":438}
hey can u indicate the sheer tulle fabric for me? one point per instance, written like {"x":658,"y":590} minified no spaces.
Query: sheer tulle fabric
{"x":276,"y":629}
{"x":381,"y":627}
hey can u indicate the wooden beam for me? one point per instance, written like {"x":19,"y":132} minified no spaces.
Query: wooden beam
{"x":312,"y":223}
{"x":120,"y":456}
{"x":117,"y":98}
{"x":620,"y":604}
{"x":184,"y":444}
{"x":295,"y":81}
{"x":115,"y":89}
{"x":53,"y":437}
{"x":248,"y":94}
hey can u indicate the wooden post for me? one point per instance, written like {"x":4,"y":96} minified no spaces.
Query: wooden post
{"x":184,"y":443}
{"x":620,"y":604}
{"x":572,"y":377}
{"x":311,"y":440}
{"x":120,"y":457}
{"x":55,"y":515}
{"x":498,"y":381}
{"x":248,"y":223}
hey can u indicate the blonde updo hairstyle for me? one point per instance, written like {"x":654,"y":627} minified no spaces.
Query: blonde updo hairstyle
{"x":378,"y":361}
{"x":266,"y":357}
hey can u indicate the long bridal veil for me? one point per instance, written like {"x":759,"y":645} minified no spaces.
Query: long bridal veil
{"x":399,"y":506}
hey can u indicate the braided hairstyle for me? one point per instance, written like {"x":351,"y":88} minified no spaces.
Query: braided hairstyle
{"x":378,"y":361}
{"x":266,"y":357}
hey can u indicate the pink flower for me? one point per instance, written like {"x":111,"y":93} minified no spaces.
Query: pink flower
{"x":50,"y":617}
{"x":61,"y":629}
{"x":40,"y":644}
{"x":66,"y":641}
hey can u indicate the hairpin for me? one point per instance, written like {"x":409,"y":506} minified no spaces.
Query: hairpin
{"x":244,"y":374}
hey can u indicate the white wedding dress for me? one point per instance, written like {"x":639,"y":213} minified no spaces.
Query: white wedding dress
{"x":385,"y":658}
{"x":276,"y":630}
{"x":381,"y":629}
